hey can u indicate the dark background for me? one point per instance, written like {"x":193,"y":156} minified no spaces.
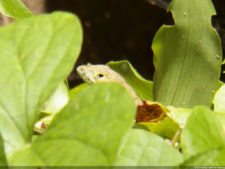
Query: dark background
{"x":122,"y":29}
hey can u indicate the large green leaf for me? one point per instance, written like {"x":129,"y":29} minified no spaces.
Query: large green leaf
{"x":142,"y":86}
{"x":15,"y":9}
{"x":187,"y":56}
{"x":201,"y":133}
{"x":141,"y":148}
{"x":77,"y":89}
{"x":87,"y":132}
{"x":33,"y":62}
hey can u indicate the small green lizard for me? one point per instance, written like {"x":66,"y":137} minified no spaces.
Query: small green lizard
{"x":93,"y":74}
{"x":103,"y":73}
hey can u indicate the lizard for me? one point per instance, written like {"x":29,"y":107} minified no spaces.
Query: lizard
{"x":103,"y":73}
{"x":92,"y":74}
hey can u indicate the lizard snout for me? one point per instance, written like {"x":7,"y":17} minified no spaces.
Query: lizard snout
{"x":80,"y":69}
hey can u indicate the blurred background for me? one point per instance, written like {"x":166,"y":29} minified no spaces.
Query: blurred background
{"x":119,"y":29}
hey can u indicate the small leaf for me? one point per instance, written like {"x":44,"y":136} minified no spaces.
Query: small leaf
{"x":43,"y":123}
{"x":15,"y":9}
{"x":57,"y":100}
{"x":155,"y":117}
{"x":142,"y":86}
{"x":223,"y":62}
{"x":221,"y":118}
{"x":202,"y":133}
{"x":219,"y":100}
{"x":87,"y":132}
{"x":141,"y":148}
{"x":165,"y":128}
{"x":150,"y":112}
{"x":180,"y":115}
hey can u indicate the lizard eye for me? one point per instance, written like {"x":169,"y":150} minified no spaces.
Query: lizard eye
{"x":100,"y":75}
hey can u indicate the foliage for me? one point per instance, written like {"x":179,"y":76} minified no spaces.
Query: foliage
{"x":15,"y":9}
{"x":142,"y":86}
{"x":219,"y":100}
{"x":95,"y":124}
{"x":187,"y":56}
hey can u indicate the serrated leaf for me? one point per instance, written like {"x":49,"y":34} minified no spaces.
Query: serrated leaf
{"x":15,"y":9}
{"x":141,"y":148}
{"x":187,"y":56}
{"x":33,"y":62}
{"x":87,"y":132}
{"x":141,"y":86}
{"x":202,"y":133}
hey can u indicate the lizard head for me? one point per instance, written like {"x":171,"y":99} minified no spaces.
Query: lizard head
{"x":95,"y":73}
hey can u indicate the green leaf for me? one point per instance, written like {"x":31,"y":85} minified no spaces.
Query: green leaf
{"x":187,"y":56}
{"x":219,"y":100}
{"x":141,"y":148}
{"x":77,"y":89}
{"x":221,"y":118}
{"x":3,"y":161}
{"x":58,"y":100}
{"x":202,"y":133}
{"x":15,"y":9}
{"x":165,"y":128}
{"x":33,"y":62}
{"x":156,"y":118}
{"x":87,"y":132}
{"x":142,"y":86}
{"x":210,"y":158}
{"x":179,"y":115}
{"x":223,"y":62}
